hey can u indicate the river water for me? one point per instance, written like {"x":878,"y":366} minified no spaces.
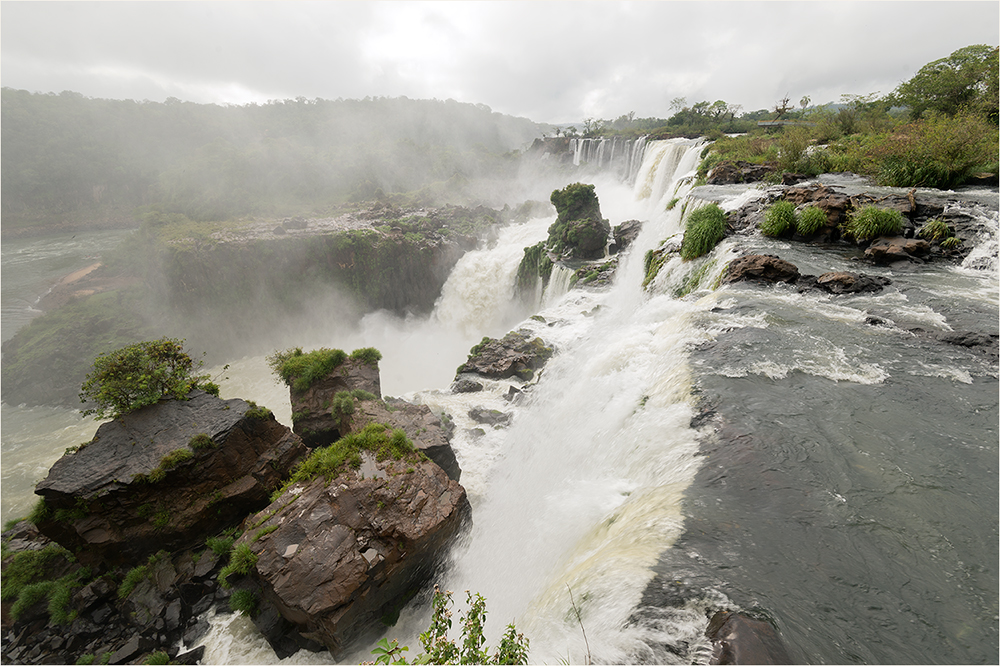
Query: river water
{"x":741,"y":447}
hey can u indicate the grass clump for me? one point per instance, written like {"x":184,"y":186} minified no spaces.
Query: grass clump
{"x":329,"y":461}
{"x":220,"y":545}
{"x":25,"y":582}
{"x":872,"y":222}
{"x":368,"y":355}
{"x":951,"y":243}
{"x":935,"y":230}
{"x":202,"y":441}
{"x":244,"y":601}
{"x":263,"y":532}
{"x":241,"y":561}
{"x":779,"y":219}
{"x":300,"y":370}
{"x":158,"y":657}
{"x":811,"y":220}
{"x":168,"y":462}
{"x":705,"y":227}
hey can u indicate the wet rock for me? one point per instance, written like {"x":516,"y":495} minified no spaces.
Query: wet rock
{"x":493,"y":417}
{"x":466,"y":385}
{"x":760,"y":268}
{"x":312,"y":418}
{"x":843,"y":282}
{"x":345,"y":552}
{"x":625,"y":233}
{"x":128,"y":493}
{"x":517,"y":354}
{"x":420,"y":424}
{"x":740,"y":639}
{"x":896,"y":248}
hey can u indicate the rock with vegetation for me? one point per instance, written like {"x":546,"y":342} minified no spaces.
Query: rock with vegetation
{"x":760,"y":268}
{"x":164,"y":476}
{"x":357,"y":529}
{"x":625,"y":234}
{"x":517,"y":354}
{"x":596,"y":274}
{"x":730,"y":172}
{"x":579,"y":231}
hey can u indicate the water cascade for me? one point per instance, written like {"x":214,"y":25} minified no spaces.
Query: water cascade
{"x":623,"y":157}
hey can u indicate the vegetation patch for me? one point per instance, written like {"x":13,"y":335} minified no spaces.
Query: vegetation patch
{"x":368,"y":355}
{"x":706,"y":226}
{"x":257,"y":412}
{"x":202,"y":441}
{"x":220,"y":545}
{"x":244,"y":601}
{"x":25,"y":582}
{"x":872,"y":222}
{"x":779,"y":219}
{"x":534,"y":266}
{"x":935,"y":230}
{"x":136,"y":575}
{"x":811,"y":220}
{"x":300,"y":370}
{"x":241,"y":561}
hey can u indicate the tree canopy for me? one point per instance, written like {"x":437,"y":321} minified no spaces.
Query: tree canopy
{"x":964,"y":81}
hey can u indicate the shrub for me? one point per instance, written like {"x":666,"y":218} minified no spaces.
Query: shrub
{"x":951,"y":243}
{"x":300,"y":370}
{"x":243,"y":601}
{"x":871,"y":222}
{"x":811,"y":220}
{"x":220,"y":545}
{"x":779,"y":219}
{"x":706,"y":226}
{"x":138,"y":375}
{"x":368,"y":355}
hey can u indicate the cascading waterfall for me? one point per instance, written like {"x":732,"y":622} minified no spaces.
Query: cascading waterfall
{"x":624,"y":156}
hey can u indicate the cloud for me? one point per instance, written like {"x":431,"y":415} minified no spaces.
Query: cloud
{"x":549,"y":61}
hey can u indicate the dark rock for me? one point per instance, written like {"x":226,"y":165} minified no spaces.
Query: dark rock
{"x":834,"y":204}
{"x":842,"y":282}
{"x":513,"y":393}
{"x":739,"y":171}
{"x":740,"y":639}
{"x":279,"y":231}
{"x":516,"y":355}
{"x":896,"y":248}
{"x":345,"y":552}
{"x":419,"y":423}
{"x":312,"y":419}
{"x":136,"y":645}
{"x":873,"y":320}
{"x":475,"y":433}
{"x":190,"y":657}
{"x":788,"y":178}
{"x":760,"y":268}
{"x":104,"y":507}
{"x":466,"y":385}
{"x":626,"y":232}
{"x":493,"y":417}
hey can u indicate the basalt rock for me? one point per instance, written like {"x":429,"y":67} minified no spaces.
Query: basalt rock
{"x":332,"y":558}
{"x":164,"y":477}
{"x":897,"y":248}
{"x":842,"y":282}
{"x":312,"y":418}
{"x":760,"y":268}
{"x":625,"y":233}
{"x":517,"y":354}
{"x":420,"y":424}
{"x":739,"y":171}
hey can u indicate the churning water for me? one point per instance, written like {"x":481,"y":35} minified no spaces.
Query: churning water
{"x":739,"y":447}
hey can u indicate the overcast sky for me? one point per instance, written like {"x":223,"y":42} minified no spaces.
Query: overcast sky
{"x":548,"y":61}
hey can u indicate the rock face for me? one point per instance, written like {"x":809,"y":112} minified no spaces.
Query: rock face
{"x":625,"y":233}
{"x":760,"y":268}
{"x":579,"y":231}
{"x":333,"y":558}
{"x":419,"y":423}
{"x":517,"y":354}
{"x":842,"y":282}
{"x":312,"y":419}
{"x":164,"y":477}
{"x":896,"y":248}
{"x":739,"y":171}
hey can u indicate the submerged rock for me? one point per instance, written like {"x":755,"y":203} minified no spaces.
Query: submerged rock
{"x":738,"y":638}
{"x":164,"y":477}
{"x":843,"y":282}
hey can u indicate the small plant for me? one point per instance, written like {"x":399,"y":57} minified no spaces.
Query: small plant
{"x":137,"y":375}
{"x":706,"y":226}
{"x":40,"y":512}
{"x":779,"y":219}
{"x":243,"y":601}
{"x":673,"y":202}
{"x":158,"y":657}
{"x":257,"y":412}
{"x":811,"y":220}
{"x":220,"y":545}
{"x":167,"y":463}
{"x":264,"y":532}
{"x":241,"y":561}
{"x":951,"y":243}
{"x":389,"y":653}
{"x":872,"y":222}
{"x":202,"y":441}
{"x":935,"y":230}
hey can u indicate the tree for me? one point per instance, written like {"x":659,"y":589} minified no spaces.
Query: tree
{"x":965,"y":80}
{"x":141,"y":374}
{"x":782,"y":107}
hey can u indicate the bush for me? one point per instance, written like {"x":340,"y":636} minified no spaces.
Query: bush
{"x":706,"y":226}
{"x":241,"y":561}
{"x":138,"y":375}
{"x":779,"y":219}
{"x":811,"y":220}
{"x":871,"y":222}
{"x":243,"y":601}
{"x":220,"y":545}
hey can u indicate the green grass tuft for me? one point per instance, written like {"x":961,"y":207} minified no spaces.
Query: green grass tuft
{"x":811,"y":220}
{"x":220,"y":545}
{"x":872,"y":222}
{"x":779,"y":219}
{"x":935,"y":230}
{"x":706,"y":226}
{"x":241,"y":561}
{"x":202,"y":441}
{"x":243,"y":601}
{"x":368,"y":355}
{"x":300,"y":370}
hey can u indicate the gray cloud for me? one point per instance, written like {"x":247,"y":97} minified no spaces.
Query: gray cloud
{"x":549,"y":61}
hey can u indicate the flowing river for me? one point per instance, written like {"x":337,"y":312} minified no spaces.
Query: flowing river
{"x":801,"y":456}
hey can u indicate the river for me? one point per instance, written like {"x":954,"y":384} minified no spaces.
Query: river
{"x":741,"y":447}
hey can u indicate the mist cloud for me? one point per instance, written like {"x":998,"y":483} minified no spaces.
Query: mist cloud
{"x":549,"y":61}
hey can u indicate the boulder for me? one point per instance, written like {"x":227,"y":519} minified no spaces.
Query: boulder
{"x":333,"y":557}
{"x":887,"y":250}
{"x":165,"y":477}
{"x":625,"y":233}
{"x":579,"y":231}
{"x":420,"y":424}
{"x":739,"y":171}
{"x":517,"y":354}
{"x":738,"y":638}
{"x":760,"y":268}
{"x":486,"y":416}
{"x":831,"y":202}
{"x":312,"y":419}
{"x":842,"y":282}
{"x":466,"y":385}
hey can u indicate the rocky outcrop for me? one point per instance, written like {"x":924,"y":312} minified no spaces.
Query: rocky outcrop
{"x":333,"y":557}
{"x":888,"y":250}
{"x":760,"y":268}
{"x":579,"y":231}
{"x":625,"y":233}
{"x":842,"y":282}
{"x":315,"y":417}
{"x":517,"y":354}
{"x":421,"y":425}
{"x":738,"y":171}
{"x":164,"y":477}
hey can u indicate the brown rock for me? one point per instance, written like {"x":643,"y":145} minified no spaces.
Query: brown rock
{"x":896,"y":248}
{"x":346,"y":552}
{"x":517,"y":354}
{"x":312,"y":419}
{"x":760,"y":268}
{"x":739,"y":171}
{"x":833,"y":203}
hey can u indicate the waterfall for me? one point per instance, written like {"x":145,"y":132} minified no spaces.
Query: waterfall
{"x":621,"y":156}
